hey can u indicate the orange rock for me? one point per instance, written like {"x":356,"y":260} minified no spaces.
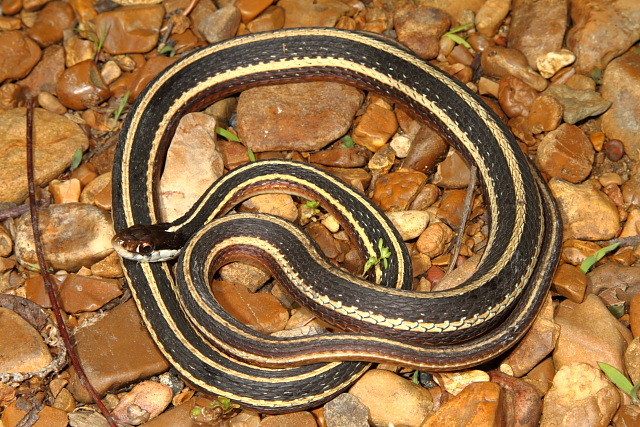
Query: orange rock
{"x":478,"y":405}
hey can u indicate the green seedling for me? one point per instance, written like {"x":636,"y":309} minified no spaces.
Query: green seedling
{"x":384,"y":255}
{"x":456,"y":38}
{"x":347,"y":142}
{"x":593,"y":259}
{"x":621,"y":381}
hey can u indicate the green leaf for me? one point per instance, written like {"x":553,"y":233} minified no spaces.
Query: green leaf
{"x":227,"y":135}
{"x":347,"y":142}
{"x":77,"y":158}
{"x":456,"y":38}
{"x":458,"y":29}
{"x":250,"y":153}
{"x":168,"y":50}
{"x":195,"y":412}
{"x":372,"y":261}
{"x":617,"y":378}
{"x":616,"y":310}
{"x":590,"y":261}
{"x":415,"y":378}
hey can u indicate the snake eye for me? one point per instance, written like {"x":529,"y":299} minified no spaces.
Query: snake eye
{"x":145,"y":248}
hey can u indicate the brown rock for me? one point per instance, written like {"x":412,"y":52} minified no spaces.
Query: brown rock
{"x":479,"y":404}
{"x":405,"y":403}
{"x":627,"y":416}
{"x":537,"y":344}
{"x":58,"y":138}
{"x":425,"y":198}
{"x":570,"y":282}
{"x":139,"y":79}
{"x":581,"y":395}
{"x":522,"y":404}
{"x":296,"y":419}
{"x":67,"y":191}
{"x":632,"y":360}
{"x":11,"y":96}
{"x":434,"y":239}
{"x":614,"y":278}
{"x":46,"y":74}
{"x":358,"y":178}
{"x":453,"y":172}
{"x":132,"y":29}
{"x":395,"y":191}
{"x":346,"y":410}
{"x":328,"y":244}
{"x":114,"y":351}
{"x":500,"y":62}
{"x":23,"y":349}
{"x":74,"y":235}
{"x":281,"y":205}
{"x":249,"y":9}
{"x":537,"y":27}
{"x":109,"y":267}
{"x":634,"y":315}
{"x":146,"y":401}
{"x":18,"y":53}
{"x":221,"y":24}
{"x":452,"y":206}
{"x":301,"y":116}
{"x":84,"y":10}
{"x":56,"y":17}
{"x":17,"y":410}
{"x":312,"y":13}
{"x":78,"y":49}
{"x":341,"y":157}
{"x":515,"y":96}
{"x":566,"y":153}
{"x":587,"y":213}
{"x":270,"y":19}
{"x":545,"y":114}
{"x":261,"y":312}
{"x":243,"y":274}
{"x":599,"y":34}
{"x":621,"y":120}
{"x":426,"y":151}
{"x":420,"y":28}
{"x":81,"y":86}
{"x":589,"y":334}
{"x":11,"y":7}
{"x":376,"y":126}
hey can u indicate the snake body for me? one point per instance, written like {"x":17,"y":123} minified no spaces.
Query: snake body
{"x":454,"y":329}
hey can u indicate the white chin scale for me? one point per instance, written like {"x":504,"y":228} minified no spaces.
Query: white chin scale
{"x":155,"y":256}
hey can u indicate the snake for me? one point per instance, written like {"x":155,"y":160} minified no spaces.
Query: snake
{"x":379,"y":319}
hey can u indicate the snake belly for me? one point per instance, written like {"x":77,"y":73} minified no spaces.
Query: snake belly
{"x":455,"y":329}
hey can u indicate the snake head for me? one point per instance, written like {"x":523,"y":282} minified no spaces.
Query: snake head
{"x":148,"y":243}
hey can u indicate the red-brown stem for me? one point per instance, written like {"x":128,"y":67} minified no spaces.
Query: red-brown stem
{"x":48,"y":281}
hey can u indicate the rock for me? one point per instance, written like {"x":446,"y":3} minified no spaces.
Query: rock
{"x":249,"y":9}
{"x":627,"y":416}
{"x":261,"y":312}
{"x":587,"y":213}
{"x":602,"y":31}
{"x":19,"y":55}
{"x":109,"y":267}
{"x":376,"y":126}
{"x":620,"y":87}
{"x":17,"y":410}
{"x":346,"y":411}
{"x":537,"y":27}
{"x":427,"y":150}
{"x":146,"y":401}
{"x":272,"y":18}
{"x":392,"y":399}
{"x":420,"y":28}
{"x":552,"y":62}
{"x":453,"y":172}
{"x":81,"y":86}
{"x":73,"y":235}
{"x":396,"y":190}
{"x":221,"y":24}
{"x":536,"y":345}
{"x":46,"y":74}
{"x":300,"y":116}
{"x":490,"y":16}
{"x":114,"y":351}
{"x":410,"y":224}
{"x":243,"y":274}
{"x":295,"y":419}
{"x":456,"y":382}
{"x":479,"y":404}
{"x":140,"y":78}
{"x":522,"y":404}
{"x":581,"y":396}
{"x":354,"y":157}
{"x":632,"y":360}
{"x":58,"y":138}
{"x":52,"y":20}
{"x":434,"y":239}
{"x":499,"y":62}
{"x":23,"y":349}
{"x":133,"y":29}
{"x":570,"y":282}
{"x":566,"y":153}
{"x":614,"y":277}
{"x":78,"y":49}
{"x":515,"y":96}
{"x":382,"y":160}
{"x":281,"y":205}
{"x":312,"y":13}
{"x":589,"y":334}
{"x":545,"y":114}
{"x":193,"y":144}
{"x":578,"y":104}
{"x":65,"y":191}
{"x":452,"y":206}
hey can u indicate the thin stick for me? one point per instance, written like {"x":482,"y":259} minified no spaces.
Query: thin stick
{"x":473,"y":179}
{"x":48,"y":281}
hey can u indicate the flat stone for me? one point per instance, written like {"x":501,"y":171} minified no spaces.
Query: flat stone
{"x":410,"y":224}
{"x":221,"y":24}
{"x":376,"y":126}
{"x":490,"y":16}
{"x":479,"y":404}
{"x":396,"y":190}
{"x":578,"y":104}
{"x":312,"y":13}
{"x":47,"y":416}
{"x":73,"y":235}
{"x":146,"y":401}
{"x":346,"y":411}
{"x":295,"y":419}
{"x":501,"y":62}
{"x":566,"y":153}
{"x":81,"y":86}
{"x":300,"y":116}
{"x":58,"y":138}
{"x":522,"y":405}
{"x":133,"y":29}
{"x":46,"y":73}
{"x":52,"y":20}
{"x":193,"y":147}
{"x":420,"y":28}
{"x":115,"y":350}
{"x":23,"y":349}
{"x":19,"y":55}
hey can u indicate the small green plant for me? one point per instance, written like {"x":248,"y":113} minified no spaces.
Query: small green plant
{"x":313,"y":205}
{"x":118,"y":111}
{"x":621,"y":381}
{"x":590,"y":261}
{"x":384,"y":255}
{"x":456,"y":38}
{"x":226,"y":134}
{"x":77,"y":158}
{"x":225,"y":404}
{"x":251,"y":154}
{"x":347,"y":142}
{"x":168,"y":50}
{"x":596,"y":75}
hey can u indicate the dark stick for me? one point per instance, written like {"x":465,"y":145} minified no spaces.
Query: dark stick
{"x":48,"y":281}
{"x":473,"y":178}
